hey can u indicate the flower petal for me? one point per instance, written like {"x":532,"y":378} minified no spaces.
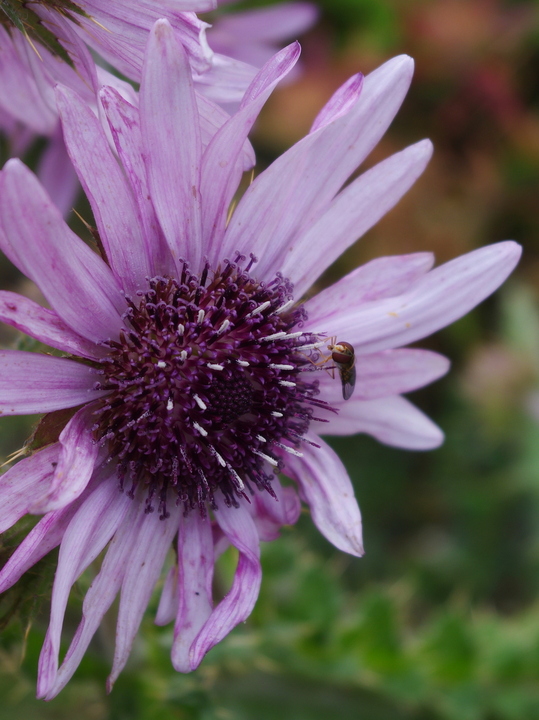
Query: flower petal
{"x":154,"y":540}
{"x":75,"y":281}
{"x":168,"y":602}
{"x":171,"y":143}
{"x":236,"y":606}
{"x":32,"y":383}
{"x":391,"y":420}
{"x":385,"y":277}
{"x":114,"y":208}
{"x":390,"y":372}
{"x":326,"y":487}
{"x":307,"y":177}
{"x":56,"y":173}
{"x":44,"y":325}
{"x":195,"y":576}
{"x":436,"y":300}
{"x":89,"y":531}
{"x":25,"y":483}
{"x":354,"y":211}
{"x":222,"y":164}
{"x":78,"y":456}
{"x":271,"y":513}
{"x":101,"y":592}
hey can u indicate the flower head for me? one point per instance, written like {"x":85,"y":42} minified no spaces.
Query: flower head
{"x":193,"y":372}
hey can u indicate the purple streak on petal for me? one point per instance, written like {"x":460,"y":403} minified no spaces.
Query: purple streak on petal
{"x":25,"y":483}
{"x":171,"y":143}
{"x":239,"y":527}
{"x":222,"y":165}
{"x":391,"y":420}
{"x":87,"y":534}
{"x":145,"y":563}
{"x":304,"y":180}
{"x":340,"y":103}
{"x":44,"y":325}
{"x":270,"y":514}
{"x":195,"y":576}
{"x":56,"y":173}
{"x":168,"y":602}
{"x":76,"y":463}
{"x":389,"y":372}
{"x":102,"y":591}
{"x":354,"y":211}
{"x":384,"y":277}
{"x":124,"y":123}
{"x":439,"y":298}
{"x":326,"y":487}
{"x":114,"y":208}
{"x":212,"y":117}
{"x":33,"y":383}
{"x":75,"y":281}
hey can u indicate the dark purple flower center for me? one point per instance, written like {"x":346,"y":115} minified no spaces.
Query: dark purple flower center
{"x":208,"y":387}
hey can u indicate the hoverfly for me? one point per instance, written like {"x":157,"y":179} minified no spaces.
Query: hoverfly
{"x":344,"y":357}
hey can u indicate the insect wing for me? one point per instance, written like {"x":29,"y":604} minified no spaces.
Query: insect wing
{"x":348,"y":379}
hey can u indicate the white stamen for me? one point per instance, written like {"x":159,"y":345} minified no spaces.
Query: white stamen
{"x":183,"y":355}
{"x":276,"y":414}
{"x":161,"y":364}
{"x":269,"y":459}
{"x":219,"y":458}
{"x":170,"y":404}
{"x":290,"y":450}
{"x":215,"y":366}
{"x":259,"y":309}
{"x":284,"y":307}
{"x":224,"y":326}
{"x":144,"y":415}
{"x":243,"y":363}
{"x":181,"y":329}
{"x":236,"y":477}
{"x":200,"y":429}
{"x":281,"y":335}
{"x":201,"y":316}
{"x":287,"y":383}
{"x":277,"y":366}
{"x":201,"y":404}
{"x":311,"y":346}
{"x":262,"y":439}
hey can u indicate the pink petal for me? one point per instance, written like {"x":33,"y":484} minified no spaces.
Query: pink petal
{"x":154,"y":540}
{"x":33,"y":383}
{"x":302,"y":181}
{"x":169,"y":601}
{"x":270,"y":513}
{"x":340,"y":103}
{"x":75,"y":281}
{"x":124,"y":123}
{"x":436,"y":300}
{"x":354,"y":211}
{"x":238,"y":526}
{"x":44,"y":325}
{"x":25,"y":483}
{"x":89,"y":531}
{"x":78,"y":456}
{"x":326,"y":487}
{"x":391,"y":420}
{"x":221,"y":171}
{"x":56,"y":173}
{"x":102,"y":591}
{"x":195,"y":576}
{"x":114,"y":208}
{"x":385,"y":277}
{"x":171,"y":143}
{"x":390,"y":372}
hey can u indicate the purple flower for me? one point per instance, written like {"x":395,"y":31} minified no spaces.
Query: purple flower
{"x":191,"y":365}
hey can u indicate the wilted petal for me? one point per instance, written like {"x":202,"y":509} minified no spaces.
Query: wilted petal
{"x":271,"y":513}
{"x":236,"y":606}
{"x":326,"y":487}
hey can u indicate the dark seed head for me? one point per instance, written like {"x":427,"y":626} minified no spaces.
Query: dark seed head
{"x":206,"y":383}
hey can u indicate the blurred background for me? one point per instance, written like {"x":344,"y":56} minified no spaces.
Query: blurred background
{"x":440,"y":619}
